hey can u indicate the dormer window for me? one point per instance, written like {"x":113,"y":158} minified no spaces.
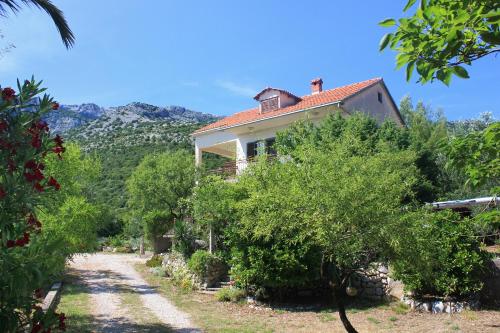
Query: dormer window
{"x":271,"y":99}
{"x":269,"y":104}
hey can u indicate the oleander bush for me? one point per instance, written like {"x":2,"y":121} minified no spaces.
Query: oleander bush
{"x":29,"y":257}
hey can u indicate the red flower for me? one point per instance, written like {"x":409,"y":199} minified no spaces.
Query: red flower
{"x":31,"y":164}
{"x":58,"y":140}
{"x":8,"y":94}
{"x":36,"y":328}
{"x":3,"y":125}
{"x":33,"y":222}
{"x":54,"y":183}
{"x":38,"y":293}
{"x":2,"y":193}
{"x":11,"y":243}
{"x":36,"y":142}
{"x":23,"y":241}
{"x":55,"y":106}
{"x":38,"y":187}
{"x":42,"y":125}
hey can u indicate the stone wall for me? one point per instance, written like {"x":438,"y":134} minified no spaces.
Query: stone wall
{"x":373,"y":282}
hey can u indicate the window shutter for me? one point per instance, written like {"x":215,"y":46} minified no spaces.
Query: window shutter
{"x":251,"y":149}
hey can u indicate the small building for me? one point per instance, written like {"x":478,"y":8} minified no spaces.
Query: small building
{"x":241,"y":136}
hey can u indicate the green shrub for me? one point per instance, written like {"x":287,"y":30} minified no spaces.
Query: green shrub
{"x":116,"y":241}
{"x":158,"y":271}
{"x":230,"y":295}
{"x":155,"y":261}
{"x":124,"y":249}
{"x":439,"y":254}
{"x":184,"y":238}
{"x":200,"y":261}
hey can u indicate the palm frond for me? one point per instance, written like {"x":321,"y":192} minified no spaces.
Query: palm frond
{"x":46,"y":5}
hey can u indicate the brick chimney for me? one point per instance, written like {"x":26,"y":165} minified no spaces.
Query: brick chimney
{"x":316,"y":86}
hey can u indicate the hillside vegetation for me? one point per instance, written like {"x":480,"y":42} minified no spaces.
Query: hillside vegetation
{"x":120,"y":137}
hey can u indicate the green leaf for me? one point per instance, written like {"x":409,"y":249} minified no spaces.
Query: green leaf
{"x":409,"y":70}
{"x":384,"y":41}
{"x":491,"y":37}
{"x":387,"y":22}
{"x":423,"y":4}
{"x":402,"y":59}
{"x":444,"y":75}
{"x":409,"y":4}
{"x":460,"y":72}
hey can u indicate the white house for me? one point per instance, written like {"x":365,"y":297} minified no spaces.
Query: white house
{"x":240,"y":135}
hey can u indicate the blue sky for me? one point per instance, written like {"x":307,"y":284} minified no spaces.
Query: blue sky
{"x":213,"y":56}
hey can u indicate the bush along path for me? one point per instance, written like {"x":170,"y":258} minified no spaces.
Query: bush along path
{"x":121,"y":301}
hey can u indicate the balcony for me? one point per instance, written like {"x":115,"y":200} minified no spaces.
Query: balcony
{"x":232,"y":168}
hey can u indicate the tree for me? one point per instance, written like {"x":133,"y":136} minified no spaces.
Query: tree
{"x":46,"y":5}
{"x":156,"y":187}
{"x":214,"y":206}
{"x":439,"y":254}
{"x":443,"y":35}
{"x":354,"y":203}
{"x":329,"y":210}
{"x":478,"y":154}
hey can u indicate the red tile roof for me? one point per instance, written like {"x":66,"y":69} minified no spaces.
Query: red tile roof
{"x":309,"y":101}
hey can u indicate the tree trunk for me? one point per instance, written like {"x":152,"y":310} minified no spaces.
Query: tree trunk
{"x":210,"y":240}
{"x":141,"y":246}
{"x":339,"y":298}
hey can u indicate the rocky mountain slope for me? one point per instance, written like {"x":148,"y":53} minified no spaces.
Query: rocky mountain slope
{"x":121,"y":136}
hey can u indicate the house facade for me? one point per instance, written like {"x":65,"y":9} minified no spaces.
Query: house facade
{"x":243,"y":135}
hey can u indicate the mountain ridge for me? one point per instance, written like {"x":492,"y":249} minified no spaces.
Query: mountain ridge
{"x":72,"y":116}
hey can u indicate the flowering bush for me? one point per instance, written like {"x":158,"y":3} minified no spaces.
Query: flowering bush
{"x":29,"y":260}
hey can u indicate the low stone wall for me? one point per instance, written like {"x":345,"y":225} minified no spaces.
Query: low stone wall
{"x":439,"y":306}
{"x":176,"y":268}
{"x":373,"y":282}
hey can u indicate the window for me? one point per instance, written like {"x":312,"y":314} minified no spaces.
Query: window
{"x":260,"y":147}
{"x":269,"y":104}
{"x":379,"y":96}
{"x":270,"y":150}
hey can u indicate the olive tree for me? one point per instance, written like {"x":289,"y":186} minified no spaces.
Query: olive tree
{"x":326,"y":211}
{"x":156,"y":188}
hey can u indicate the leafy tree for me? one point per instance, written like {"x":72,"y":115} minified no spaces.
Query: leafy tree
{"x":214,"y":206}
{"x":76,"y":222}
{"x":272,"y":244}
{"x":443,"y":35}
{"x":156,"y":187}
{"x":355,"y":201}
{"x":321,"y":212}
{"x":478,"y":154}
{"x":46,"y":5}
{"x":438,"y":253}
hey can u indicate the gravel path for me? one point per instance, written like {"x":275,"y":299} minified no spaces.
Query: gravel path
{"x":108,"y":277}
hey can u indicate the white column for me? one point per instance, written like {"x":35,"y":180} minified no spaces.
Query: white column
{"x":197,"y":155}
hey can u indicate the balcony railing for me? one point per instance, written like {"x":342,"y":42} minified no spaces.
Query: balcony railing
{"x":232,"y":168}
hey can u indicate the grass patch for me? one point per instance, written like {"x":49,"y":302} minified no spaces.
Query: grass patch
{"x":393,"y":319}
{"x":75,"y":303}
{"x":326,"y":317}
{"x":455,"y":328}
{"x":373,"y":320}
{"x":469,"y":315}
{"x":400,"y":308}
